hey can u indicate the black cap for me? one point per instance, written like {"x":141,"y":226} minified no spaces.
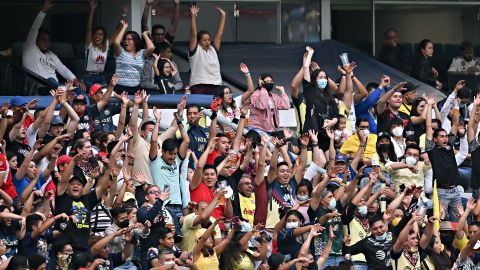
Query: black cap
{"x":383,"y":135}
{"x":409,"y":87}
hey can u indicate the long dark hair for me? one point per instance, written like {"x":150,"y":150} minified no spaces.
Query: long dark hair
{"x":391,"y":153}
{"x":220,"y":92}
{"x":104,"y":42}
{"x":263,"y":77}
{"x":324,"y":95}
{"x":136,"y":40}
{"x":415,"y":104}
{"x":422,"y":45}
{"x":233,"y":254}
{"x":3,"y":226}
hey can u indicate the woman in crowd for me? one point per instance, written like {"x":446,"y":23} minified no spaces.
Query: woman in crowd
{"x":418,"y":116}
{"x":319,"y":100}
{"x":96,"y":50}
{"x":130,"y":57}
{"x":205,"y":74}
{"x":423,"y":69}
{"x":164,"y":75}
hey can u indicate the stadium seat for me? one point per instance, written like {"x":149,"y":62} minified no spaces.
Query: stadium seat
{"x":62,"y":50}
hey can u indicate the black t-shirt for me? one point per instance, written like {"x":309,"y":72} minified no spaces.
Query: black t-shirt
{"x":20,"y":148}
{"x":386,"y":118}
{"x":102,"y":120}
{"x":114,"y":260}
{"x":320,"y":105}
{"x":166,"y":84}
{"x":377,"y":253}
{"x":444,"y":165}
{"x":81,"y":208}
{"x":474,"y":149}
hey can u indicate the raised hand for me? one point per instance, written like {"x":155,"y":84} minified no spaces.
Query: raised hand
{"x":194,"y":10}
{"x":156,"y":56}
{"x":37,"y":144}
{"x":221,"y":11}
{"x":349,"y":68}
{"x":399,"y":86}
{"x":471,"y":204}
{"x":313,"y":136}
{"x":93,"y":4}
{"x":431,"y":99}
{"x":138,"y":98}
{"x":280,"y":88}
{"x":244,"y":68}
{"x":460,"y":84}
{"x":330,"y":134}
{"x":316,"y":230}
{"x":149,"y":2}
{"x":328,"y":123}
{"x":314,"y":66}
{"x":124,"y":137}
{"x":114,"y":80}
{"x":138,"y":177}
{"x":145,"y":97}
{"x":309,"y":50}
{"x":47,"y":5}
{"x":125,"y":98}
{"x":157,"y":114}
{"x":124,"y":23}
{"x":164,"y":195}
{"x":385,"y":81}
{"x":305,"y":139}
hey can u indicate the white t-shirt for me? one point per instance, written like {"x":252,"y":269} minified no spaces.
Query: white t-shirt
{"x":95,"y":58}
{"x":205,"y":67}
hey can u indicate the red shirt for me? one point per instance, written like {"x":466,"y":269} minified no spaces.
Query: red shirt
{"x":212,"y":156}
{"x":7,"y":186}
{"x":203,"y":193}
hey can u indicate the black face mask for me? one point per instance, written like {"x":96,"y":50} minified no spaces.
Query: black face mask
{"x":124,"y":224}
{"x":384,"y":147}
{"x":268,"y":86}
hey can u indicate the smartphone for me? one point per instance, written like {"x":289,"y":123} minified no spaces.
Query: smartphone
{"x":166,"y":188}
{"x":266,"y":236}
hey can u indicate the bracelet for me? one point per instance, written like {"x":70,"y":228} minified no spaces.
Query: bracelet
{"x":243,"y":116}
{"x":344,"y":75}
{"x":214,"y":115}
{"x":363,"y":145}
{"x":314,"y":144}
{"x":303,"y":146}
{"x":246,"y":74}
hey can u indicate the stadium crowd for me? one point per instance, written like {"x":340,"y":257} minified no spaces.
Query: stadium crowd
{"x":372,"y":178}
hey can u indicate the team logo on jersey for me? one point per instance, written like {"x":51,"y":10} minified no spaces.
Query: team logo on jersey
{"x":380,"y":255}
{"x":96,"y":122}
{"x":86,"y":117}
{"x":107,"y":112}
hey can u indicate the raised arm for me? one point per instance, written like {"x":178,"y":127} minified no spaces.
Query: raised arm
{"x":123,"y":115}
{"x":89,"y":28}
{"x":382,"y":102}
{"x":304,"y":140}
{"x":197,"y":250}
{"x":362,"y":91}
{"x":474,"y":119}
{"x":134,"y":116}
{"x":154,"y":141}
{"x":221,"y":25}
{"x":106,"y":96}
{"x":193,"y":28}
{"x":307,"y":60}
{"x":198,"y":174}
{"x":149,"y":45}
{"x":47,"y":224}
{"x":259,"y":177}
{"x":176,"y":15}
{"x":12,"y":135}
{"x":402,"y":237}
{"x":429,"y":130}
{"x":295,"y":84}
{"x":250,"y":86}
{"x":119,"y":37}
{"x":207,"y":211}
{"x":146,"y":12}
{"x":22,"y":170}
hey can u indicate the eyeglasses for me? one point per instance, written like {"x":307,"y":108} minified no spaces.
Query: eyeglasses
{"x":154,"y":192}
{"x":363,"y":127}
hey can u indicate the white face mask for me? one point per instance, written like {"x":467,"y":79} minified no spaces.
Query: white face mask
{"x":291,"y":225}
{"x":120,"y":162}
{"x":410,"y":160}
{"x":169,"y":263}
{"x":397,"y":131}
{"x":364,"y":133}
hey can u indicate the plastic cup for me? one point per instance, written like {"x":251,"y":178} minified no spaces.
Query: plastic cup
{"x":344,"y":59}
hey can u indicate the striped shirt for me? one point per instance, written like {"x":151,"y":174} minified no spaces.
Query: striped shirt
{"x":128,"y":68}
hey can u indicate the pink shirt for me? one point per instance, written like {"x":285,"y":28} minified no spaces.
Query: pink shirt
{"x":261,"y":115}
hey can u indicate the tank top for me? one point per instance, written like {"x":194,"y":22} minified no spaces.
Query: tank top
{"x":95,"y":59}
{"x":205,"y":67}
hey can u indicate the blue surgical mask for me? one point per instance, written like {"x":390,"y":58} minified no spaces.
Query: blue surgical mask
{"x":302,"y":198}
{"x":322,"y":83}
{"x":362,"y":210}
{"x":332,"y":204}
{"x":381,"y":237}
{"x":149,"y":137}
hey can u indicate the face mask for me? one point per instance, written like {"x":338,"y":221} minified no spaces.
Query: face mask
{"x":149,"y":137}
{"x":169,"y":263}
{"x":246,"y":227}
{"x":381,"y":237}
{"x":364,"y":132}
{"x":384,"y":147}
{"x":410,"y":161}
{"x":322,"y":83}
{"x":362,"y":210}
{"x":397,"y":132}
{"x":302,"y":198}
{"x":124,"y":224}
{"x":120,"y":162}
{"x":268,"y":86}
{"x":332,"y":204}
{"x":292,"y":225}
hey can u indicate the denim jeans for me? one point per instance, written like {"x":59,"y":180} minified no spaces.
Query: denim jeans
{"x":177,"y":213}
{"x":333,"y":260}
{"x":91,"y":79}
{"x":450,"y":199}
{"x":360,"y":266}
{"x":466,"y":177}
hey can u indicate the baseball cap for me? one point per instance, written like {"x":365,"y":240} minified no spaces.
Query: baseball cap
{"x":409,"y":87}
{"x":383,"y":135}
{"x":96,"y":87}
{"x":63,"y":159}
{"x":341,"y":158}
{"x":80,"y":98}
{"x":18,"y":101}
{"x":76,"y":178}
{"x":57,"y":121}
{"x":128,"y":196}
